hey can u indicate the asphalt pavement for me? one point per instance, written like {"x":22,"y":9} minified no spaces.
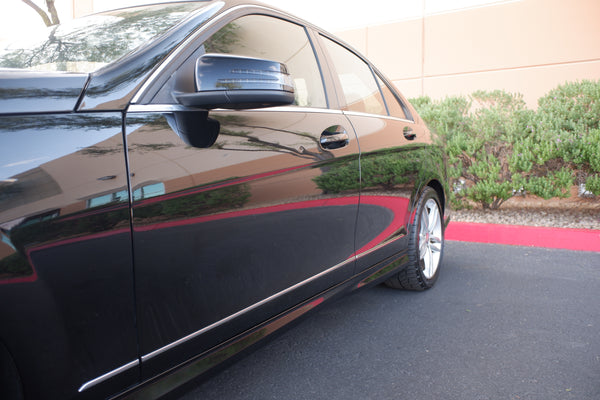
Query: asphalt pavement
{"x":502,"y":322}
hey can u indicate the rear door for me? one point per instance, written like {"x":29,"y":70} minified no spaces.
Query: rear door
{"x":229,"y":235}
{"x":393,"y":150}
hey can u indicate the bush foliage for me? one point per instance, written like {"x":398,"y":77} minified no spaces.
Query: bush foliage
{"x":497,"y":148}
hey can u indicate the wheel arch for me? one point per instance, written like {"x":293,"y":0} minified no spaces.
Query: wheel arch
{"x":439,"y":188}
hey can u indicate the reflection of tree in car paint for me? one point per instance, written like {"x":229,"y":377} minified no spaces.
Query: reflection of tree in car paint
{"x":113,"y":32}
{"x":221,"y":41}
{"x":38,"y":231}
{"x":389,"y":169}
{"x":230,"y":127}
{"x":192,"y":203}
{"x":14,"y":266}
{"x":150,"y":123}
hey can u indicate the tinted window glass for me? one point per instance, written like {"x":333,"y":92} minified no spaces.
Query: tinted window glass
{"x":274,"y":39}
{"x":394,"y":106}
{"x":358,"y":83}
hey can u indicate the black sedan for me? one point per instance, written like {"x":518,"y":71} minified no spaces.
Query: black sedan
{"x":179,"y":181}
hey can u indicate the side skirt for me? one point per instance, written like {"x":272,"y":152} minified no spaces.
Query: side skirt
{"x":201,"y":364}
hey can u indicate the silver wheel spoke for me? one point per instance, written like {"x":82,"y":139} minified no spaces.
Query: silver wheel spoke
{"x":423,"y":233}
{"x":422,"y":247}
{"x":428,"y":262}
{"x":424,"y":222}
{"x":430,"y":238}
{"x":435,"y":244}
{"x":434,"y":216}
{"x":437,"y":248}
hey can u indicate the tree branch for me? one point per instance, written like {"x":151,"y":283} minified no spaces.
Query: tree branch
{"x":53,"y":12}
{"x":51,"y":9}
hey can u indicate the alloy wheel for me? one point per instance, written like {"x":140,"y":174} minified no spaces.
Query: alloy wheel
{"x":430,"y":238}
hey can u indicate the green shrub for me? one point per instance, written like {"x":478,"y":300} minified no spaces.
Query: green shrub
{"x":592,"y":184}
{"x":572,"y":107}
{"x":554,"y":184}
{"x":450,"y":121}
{"x":590,"y":144}
{"x":478,"y":136}
{"x":568,"y":119}
{"x":496,"y":147}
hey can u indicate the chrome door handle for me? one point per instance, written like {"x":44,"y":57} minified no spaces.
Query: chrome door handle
{"x":334,"y":137}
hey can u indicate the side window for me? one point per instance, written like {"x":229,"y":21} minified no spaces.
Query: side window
{"x":358,"y":83}
{"x":394,"y":106}
{"x":278,"y":40}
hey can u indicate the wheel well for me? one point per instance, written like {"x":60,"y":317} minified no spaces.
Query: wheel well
{"x":437,"y":186}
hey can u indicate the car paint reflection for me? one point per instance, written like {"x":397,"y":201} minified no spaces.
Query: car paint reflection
{"x":385,"y":230}
{"x":23,"y":92}
{"x":237,"y":193}
{"x":240,"y":221}
{"x":63,"y":202}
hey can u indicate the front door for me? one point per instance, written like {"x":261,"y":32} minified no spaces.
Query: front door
{"x":228,"y":236}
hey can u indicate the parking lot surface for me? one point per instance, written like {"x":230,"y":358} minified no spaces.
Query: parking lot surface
{"x":502,"y":322}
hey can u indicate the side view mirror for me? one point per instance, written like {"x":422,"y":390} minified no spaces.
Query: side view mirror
{"x":236,"y":82}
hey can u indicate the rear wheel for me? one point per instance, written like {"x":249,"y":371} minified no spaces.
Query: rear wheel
{"x":425,"y":246}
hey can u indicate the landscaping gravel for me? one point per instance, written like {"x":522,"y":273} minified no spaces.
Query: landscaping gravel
{"x":559,"y":218}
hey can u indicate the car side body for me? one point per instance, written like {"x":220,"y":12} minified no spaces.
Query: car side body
{"x":155,"y":222}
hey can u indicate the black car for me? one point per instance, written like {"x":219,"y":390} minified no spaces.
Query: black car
{"x":179,"y":181}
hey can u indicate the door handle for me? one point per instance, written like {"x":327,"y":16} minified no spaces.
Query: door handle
{"x":334,"y":137}
{"x":408,"y":133}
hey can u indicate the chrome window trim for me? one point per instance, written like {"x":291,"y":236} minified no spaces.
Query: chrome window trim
{"x":143,"y":108}
{"x":108,"y":375}
{"x":362,"y":114}
{"x":186,"y":42}
{"x":158,"y":108}
{"x":299,"y":109}
{"x":243,"y":311}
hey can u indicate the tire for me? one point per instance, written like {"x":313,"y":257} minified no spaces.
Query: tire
{"x":425,"y":246}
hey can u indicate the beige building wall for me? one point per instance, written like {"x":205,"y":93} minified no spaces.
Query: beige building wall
{"x":82,"y":7}
{"x":526,"y":46}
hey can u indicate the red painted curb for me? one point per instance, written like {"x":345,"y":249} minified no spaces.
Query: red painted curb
{"x":518,"y":235}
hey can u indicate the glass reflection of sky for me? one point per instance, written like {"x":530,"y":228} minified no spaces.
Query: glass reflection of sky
{"x":88,"y":43}
{"x":27,"y":149}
